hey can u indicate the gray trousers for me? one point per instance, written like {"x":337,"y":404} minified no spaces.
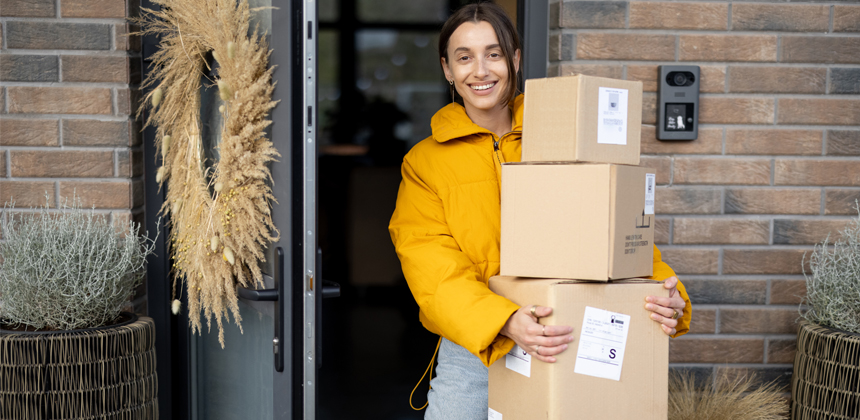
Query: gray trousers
{"x":459,"y":390}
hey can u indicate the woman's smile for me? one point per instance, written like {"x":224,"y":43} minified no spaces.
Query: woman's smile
{"x":483,"y":87}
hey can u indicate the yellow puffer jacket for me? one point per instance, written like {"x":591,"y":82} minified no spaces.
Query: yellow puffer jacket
{"x":446,"y":231}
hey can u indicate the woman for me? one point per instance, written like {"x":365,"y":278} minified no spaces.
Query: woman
{"x":446,"y":224}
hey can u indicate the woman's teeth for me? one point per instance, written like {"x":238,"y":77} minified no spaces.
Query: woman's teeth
{"x":483,"y":87}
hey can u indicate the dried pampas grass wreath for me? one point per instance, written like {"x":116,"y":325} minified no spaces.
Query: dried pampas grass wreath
{"x":220,"y":216}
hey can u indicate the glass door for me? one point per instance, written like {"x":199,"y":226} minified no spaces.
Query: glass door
{"x":267,"y":370}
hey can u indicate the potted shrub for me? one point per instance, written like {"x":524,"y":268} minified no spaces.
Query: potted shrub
{"x":66,"y":349}
{"x":826,"y":379}
{"x":724,"y":397}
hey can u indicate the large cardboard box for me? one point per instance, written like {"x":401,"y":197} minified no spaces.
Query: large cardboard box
{"x":577,"y":221}
{"x":616,"y":368}
{"x":582,"y":119}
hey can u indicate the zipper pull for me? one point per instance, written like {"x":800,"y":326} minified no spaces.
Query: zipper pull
{"x":495,"y":145}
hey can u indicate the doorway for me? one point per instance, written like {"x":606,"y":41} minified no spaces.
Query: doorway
{"x":380,"y":84}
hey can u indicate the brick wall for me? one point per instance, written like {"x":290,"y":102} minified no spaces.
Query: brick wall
{"x":68,"y":77}
{"x":775,"y":166}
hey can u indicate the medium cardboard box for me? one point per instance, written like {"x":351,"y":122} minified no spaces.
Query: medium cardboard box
{"x":616,"y":368}
{"x":582,"y":119}
{"x":577,"y":221}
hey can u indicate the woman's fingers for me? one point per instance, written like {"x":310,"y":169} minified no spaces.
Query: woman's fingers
{"x":662,"y":310}
{"x":676,"y":302}
{"x":541,"y":341}
{"x":671,"y":284}
{"x":538,"y":312}
{"x":537,"y":329}
{"x":553,"y":341}
{"x":668,"y":330}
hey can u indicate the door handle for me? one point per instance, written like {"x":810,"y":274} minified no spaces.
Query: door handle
{"x":264,"y":295}
{"x":274,"y":295}
{"x":330,"y":289}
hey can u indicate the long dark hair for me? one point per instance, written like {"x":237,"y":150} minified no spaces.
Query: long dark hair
{"x":509,"y":39}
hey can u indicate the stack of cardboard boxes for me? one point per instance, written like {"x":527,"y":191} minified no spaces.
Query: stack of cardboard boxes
{"x":577,"y":220}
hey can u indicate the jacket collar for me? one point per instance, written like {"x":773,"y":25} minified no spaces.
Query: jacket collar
{"x":452,"y":122}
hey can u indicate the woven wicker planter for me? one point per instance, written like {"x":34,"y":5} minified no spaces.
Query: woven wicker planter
{"x":100,"y":373}
{"x":825,"y":384}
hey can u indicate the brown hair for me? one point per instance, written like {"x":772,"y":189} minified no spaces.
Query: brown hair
{"x":509,"y":39}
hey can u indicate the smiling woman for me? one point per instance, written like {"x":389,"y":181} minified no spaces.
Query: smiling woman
{"x":446,"y":226}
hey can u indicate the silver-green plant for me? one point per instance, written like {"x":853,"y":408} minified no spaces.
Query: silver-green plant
{"x":69,"y":269}
{"x":833,"y":284}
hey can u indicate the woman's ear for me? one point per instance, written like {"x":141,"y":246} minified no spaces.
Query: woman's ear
{"x":516,"y":61}
{"x":446,"y":70}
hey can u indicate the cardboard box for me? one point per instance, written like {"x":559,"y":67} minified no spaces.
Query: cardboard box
{"x":582,"y":119}
{"x":522,"y":388}
{"x":577,"y":221}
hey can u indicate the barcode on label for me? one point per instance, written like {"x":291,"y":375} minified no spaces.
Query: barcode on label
{"x":649,"y":193}
{"x":612,"y":121}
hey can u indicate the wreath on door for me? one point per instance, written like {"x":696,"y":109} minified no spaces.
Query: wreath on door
{"x":220,"y":216}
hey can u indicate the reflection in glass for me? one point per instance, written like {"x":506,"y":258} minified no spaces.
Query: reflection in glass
{"x":402,"y":10}
{"x":236,"y":382}
{"x":211,"y":119}
{"x":327,"y":82}
{"x":402,"y":68}
{"x":329,"y":10}
{"x":261,"y":16}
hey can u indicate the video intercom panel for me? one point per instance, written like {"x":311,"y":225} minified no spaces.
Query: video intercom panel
{"x":678,"y":103}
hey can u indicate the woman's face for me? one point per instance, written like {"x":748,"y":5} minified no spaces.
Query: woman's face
{"x":478,"y":67}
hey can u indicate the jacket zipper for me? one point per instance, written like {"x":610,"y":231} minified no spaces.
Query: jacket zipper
{"x":496,"y":149}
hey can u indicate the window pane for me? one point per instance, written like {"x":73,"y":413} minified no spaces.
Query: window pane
{"x":261,"y":19}
{"x":402,"y":69}
{"x":329,"y":87}
{"x":329,"y":10}
{"x":402,"y":10}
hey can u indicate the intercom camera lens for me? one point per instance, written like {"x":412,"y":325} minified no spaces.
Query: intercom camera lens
{"x":680,"y":79}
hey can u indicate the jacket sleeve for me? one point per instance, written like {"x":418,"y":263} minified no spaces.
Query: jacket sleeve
{"x":662,"y":271}
{"x":454,"y":299}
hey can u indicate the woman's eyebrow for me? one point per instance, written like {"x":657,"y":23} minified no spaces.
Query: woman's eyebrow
{"x":467,"y":49}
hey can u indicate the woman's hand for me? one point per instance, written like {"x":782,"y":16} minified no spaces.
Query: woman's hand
{"x":665,"y":308}
{"x":540,"y":341}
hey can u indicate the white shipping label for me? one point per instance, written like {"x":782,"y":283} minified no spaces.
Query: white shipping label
{"x":601,"y":343}
{"x":650,"y":185}
{"x":519,"y":361}
{"x":494,"y":415}
{"x":612,"y":116}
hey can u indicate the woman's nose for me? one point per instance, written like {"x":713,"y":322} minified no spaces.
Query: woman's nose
{"x":482,"y":70}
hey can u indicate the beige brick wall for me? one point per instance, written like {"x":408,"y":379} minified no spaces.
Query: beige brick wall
{"x":775,"y":167}
{"x":68,"y":86}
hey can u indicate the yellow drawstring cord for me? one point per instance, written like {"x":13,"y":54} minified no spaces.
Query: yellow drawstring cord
{"x":429,"y":368}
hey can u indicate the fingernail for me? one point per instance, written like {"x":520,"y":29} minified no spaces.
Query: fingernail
{"x":649,"y":299}
{"x":649,"y":306}
{"x":654,"y":317}
{"x":570,"y":339}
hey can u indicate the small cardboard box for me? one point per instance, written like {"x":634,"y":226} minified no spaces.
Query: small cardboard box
{"x":582,"y":119}
{"x":617,"y":367}
{"x":577,"y":221}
